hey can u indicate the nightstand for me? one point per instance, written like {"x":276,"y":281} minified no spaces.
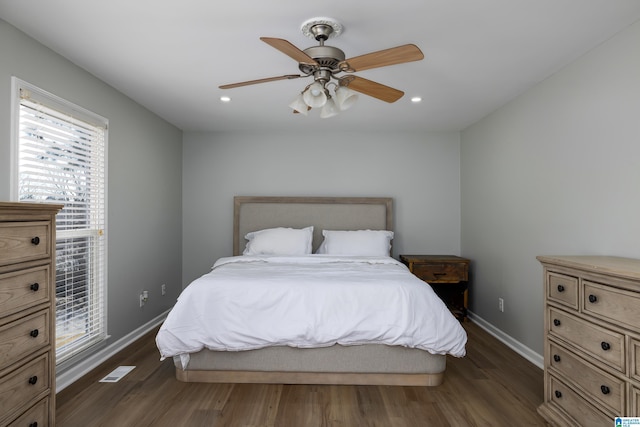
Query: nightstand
{"x":448,"y":275}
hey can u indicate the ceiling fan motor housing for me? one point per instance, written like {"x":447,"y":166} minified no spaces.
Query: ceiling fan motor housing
{"x":327,"y":56}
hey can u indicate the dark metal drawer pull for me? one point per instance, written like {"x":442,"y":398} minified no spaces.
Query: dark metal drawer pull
{"x":556,"y":322}
{"x":593,"y":298}
{"x":604,"y":389}
{"x":34,"y":424}
{"x":35,"y":241}
{"x":558,"y":394}
{"x":33,"y":380}
{"x":35,"y":287}
{"x":34,"y":333}
{"x":605,"y":345}
{"x":560,"y":288}
{"x":556,"y":358}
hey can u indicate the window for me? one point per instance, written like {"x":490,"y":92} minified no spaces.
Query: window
{"x":60,"y":154}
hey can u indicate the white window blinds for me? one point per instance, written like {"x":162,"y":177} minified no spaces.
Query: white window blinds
{"x":62,"y":159}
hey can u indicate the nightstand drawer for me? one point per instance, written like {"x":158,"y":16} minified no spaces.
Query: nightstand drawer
{"x":441,"y":272}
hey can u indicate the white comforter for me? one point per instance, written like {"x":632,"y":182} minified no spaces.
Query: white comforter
{"x":249,"y":302}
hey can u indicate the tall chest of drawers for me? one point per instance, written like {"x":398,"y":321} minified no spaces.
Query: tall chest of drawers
{"x":592,"y":339}
{"x":27,"y":314}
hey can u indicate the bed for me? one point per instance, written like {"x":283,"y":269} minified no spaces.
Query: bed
{"x":333,"y":351}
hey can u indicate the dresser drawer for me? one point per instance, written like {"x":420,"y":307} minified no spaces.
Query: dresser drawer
{"x":441,"y":272}
{"x":562,"y":289}
{"x":615,"y":305}
{"x":585,"y":415}
{"x":22,"y":386}
{"x":634,"y":411}
{"x":24,"y":336}
{"x":634,"y":354}
{"x":605,"y":388}
{"x":23,"y":289}
{"x":38,"y":415}
{"x":24,"y":241}
{"x":603,"y":344}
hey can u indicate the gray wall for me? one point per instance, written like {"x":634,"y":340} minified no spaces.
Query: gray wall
{"x":420,"y":171}
{"x":144,"y":178}
{"x":556,"y":171}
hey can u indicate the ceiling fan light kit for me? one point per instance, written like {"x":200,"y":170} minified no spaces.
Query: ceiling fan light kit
{"x":326,"y":63}
{"x":298,"y":105}
{"x":314,"y":96}
{"x":329,"y":109}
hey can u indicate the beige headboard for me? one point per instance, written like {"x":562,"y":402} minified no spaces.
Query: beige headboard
{"x":324,"y":213}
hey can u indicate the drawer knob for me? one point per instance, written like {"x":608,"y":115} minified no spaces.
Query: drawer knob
{"x":33,"y":380}
{"x":604,"y":389}
{"x":34,"y":287}
{"x":556,"y":322}
{"x":605,"y":345}
{"x":593,"y":298}
{"x":34,"y":333}
{"x":34,"y":424}
{"x":556,"y":358}
{"x":35,"y":241}
{"x":560,"y":288}
{"x":558,"y":394}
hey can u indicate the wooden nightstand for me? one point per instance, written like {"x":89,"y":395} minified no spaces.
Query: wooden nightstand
{"x":448,"y":275}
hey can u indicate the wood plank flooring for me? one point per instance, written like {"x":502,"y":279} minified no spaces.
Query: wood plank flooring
{"x":491,"y":386}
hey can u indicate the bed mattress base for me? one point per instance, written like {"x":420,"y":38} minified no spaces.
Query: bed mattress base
{"x":363,"y":365}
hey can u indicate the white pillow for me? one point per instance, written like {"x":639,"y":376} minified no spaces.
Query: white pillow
{"x":356,"y":242}
{"x":279,"y":241}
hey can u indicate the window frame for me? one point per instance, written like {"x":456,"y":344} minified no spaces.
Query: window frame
{"x":74,"y":111}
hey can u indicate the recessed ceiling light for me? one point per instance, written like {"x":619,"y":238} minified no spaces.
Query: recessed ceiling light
{"x":225,"y":99}
{"x":416,"y":99}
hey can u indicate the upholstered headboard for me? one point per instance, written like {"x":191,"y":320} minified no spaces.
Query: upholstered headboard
{"x":324,"y":213}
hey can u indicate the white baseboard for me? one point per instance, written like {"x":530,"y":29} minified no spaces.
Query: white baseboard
{"x":507,"y":340}
{"x":74,"y":373}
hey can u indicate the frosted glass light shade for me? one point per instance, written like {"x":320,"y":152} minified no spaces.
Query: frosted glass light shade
{"x":345,"y":97}
{"x":299,"y":105}
{"x":315,"y":97}
{"x":330,"y":109}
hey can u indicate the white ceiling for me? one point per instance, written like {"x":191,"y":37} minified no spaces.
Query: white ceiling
{"x":171,"y":56}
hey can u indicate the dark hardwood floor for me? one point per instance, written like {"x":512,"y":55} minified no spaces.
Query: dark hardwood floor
{"x":491,"y":386}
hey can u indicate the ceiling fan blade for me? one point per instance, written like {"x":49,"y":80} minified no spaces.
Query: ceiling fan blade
{"x":268,"y":79}
{"x":376,"y":90}
{"x":382,"y":58}
{"x":288,"y":49}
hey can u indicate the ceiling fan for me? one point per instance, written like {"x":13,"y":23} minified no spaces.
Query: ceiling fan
{"x":326,"y":64}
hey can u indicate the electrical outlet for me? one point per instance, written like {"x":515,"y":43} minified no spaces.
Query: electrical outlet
{"x":501,"y":305}
{"x":164,"y":289}
{"x":144,"y":296}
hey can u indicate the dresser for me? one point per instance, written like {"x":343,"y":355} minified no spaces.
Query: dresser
{"x":27,"y":314}
{"x":592,"y":339}
{"x":448,"y":275}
